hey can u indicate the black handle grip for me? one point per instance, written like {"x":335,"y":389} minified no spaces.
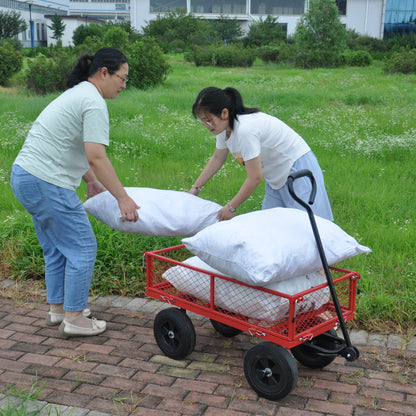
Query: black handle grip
{"x":299,"y":174}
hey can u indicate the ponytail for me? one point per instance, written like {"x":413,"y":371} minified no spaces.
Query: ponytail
{"x":87,"y":65}
{"x":214,"y":100}
{"x":80,"y":71}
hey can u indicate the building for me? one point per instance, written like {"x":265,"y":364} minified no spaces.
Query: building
{"x":375,"y":18}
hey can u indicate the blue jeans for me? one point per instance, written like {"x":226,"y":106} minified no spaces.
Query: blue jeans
{"x":65,"y":235}
{"x":302,"y":186}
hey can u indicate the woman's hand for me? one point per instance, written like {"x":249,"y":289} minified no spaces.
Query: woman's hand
{"x":225,"y":214}
{"x":94,"y":188}
{"x":128,"y":209}
{"x":195,"y":190}
{"x":103,"y":169}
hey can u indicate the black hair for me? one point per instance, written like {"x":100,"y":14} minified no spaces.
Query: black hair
{"x":88,"y":65}
{"x":214,"y":100}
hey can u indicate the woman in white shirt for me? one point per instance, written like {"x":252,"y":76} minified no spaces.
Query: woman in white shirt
{"x":267,"y":148}
{"x":67,"y":143}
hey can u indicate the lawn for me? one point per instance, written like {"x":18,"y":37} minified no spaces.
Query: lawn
{"x":360,"y":123}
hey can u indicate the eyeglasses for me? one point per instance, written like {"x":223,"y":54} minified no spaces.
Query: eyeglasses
{"x":123,"y":80}
{"x":205,"y":122}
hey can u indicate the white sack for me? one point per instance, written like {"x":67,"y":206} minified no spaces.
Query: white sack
{"x":271,"y":245}
{"x":244,"y":300}
{"x":162,"y":212}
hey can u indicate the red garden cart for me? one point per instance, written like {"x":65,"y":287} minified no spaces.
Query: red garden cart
{"x":304,"y":323}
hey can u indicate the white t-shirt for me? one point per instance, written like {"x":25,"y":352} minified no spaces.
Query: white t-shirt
{"x":54,"y":148}
{"x":260,"y":134}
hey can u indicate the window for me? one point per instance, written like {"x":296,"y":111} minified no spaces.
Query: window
{"x":342,"y":7}
{"x":219,"y":7}
{"x":400,"y":17}
{"x":161,"y":6}
{"x":278,"y":7}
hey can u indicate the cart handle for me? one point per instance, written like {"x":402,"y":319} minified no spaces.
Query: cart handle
{"x":351,"y":351}
{"x":300,"y":173}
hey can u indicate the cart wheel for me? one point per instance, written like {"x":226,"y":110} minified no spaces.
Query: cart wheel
{"x":351,"y":353}
{"x":225,"y":330}
{"x":174,"y":333}
{"x":270,"y":370}
{"x":313,"y":359}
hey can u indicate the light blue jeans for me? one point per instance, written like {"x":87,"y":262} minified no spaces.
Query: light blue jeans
{"x":302,"y":186}
{"x":65,"y":235}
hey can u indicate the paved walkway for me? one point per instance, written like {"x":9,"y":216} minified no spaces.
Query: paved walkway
{"x":123,"y":371}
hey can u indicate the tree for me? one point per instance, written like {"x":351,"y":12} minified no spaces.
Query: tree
{"x":11,"y":24}
{"x":178,"y":26}
{"x":320,"y":36}
{"x":84,"y":31}
{"x":116,"y":37}
{"x":10,"y":62}
{"x":227,"y":29}
{"x":264,"y":32}
{"x":57,"y":27}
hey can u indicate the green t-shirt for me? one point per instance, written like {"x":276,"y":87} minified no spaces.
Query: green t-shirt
{"x":54,"y":148}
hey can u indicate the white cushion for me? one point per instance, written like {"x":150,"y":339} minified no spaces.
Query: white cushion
{"x":162,"y":212}
{"x":271,"y":245}
{"x":248,"y":301}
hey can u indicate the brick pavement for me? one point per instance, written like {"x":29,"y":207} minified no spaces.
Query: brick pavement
{"x":123,"y":371}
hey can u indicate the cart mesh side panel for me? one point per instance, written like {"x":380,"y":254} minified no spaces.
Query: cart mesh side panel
{"x":285,"y":319}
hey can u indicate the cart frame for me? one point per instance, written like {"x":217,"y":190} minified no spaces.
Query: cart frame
{"x":308,"y":332}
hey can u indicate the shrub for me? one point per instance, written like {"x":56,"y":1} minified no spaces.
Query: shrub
{"x":178,"y":25}
{"x":225,"y":56}
{"x":269,"y":53}
{"x":13,"y":42}
{"x":357,"y":58}
{"x":398,"y":42}
{"x":279,"y":53}
{"x":320,"y":36}
{"x":37,"y":50}
{"x":11,"y":61}
{"x":116,"y":37}
{"x":84,"y":31}
{"x":148,"y":66}
{"x":226,"y":29}
{"x":401,"y":62}
{"x":264,"y":32}
{"x":376,"y":47}
{"x":91,"y":45}
{"x":45,"y":75}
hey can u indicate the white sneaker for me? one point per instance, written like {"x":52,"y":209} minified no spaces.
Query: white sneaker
{"x":53,"y":318}
{"x":69,"y":329}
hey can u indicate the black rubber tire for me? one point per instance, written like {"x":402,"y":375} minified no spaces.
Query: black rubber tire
{"x":270,"y":370}
{"x":225,"y":330}
{"x":174,"y":333}
{"x":310,"y":358}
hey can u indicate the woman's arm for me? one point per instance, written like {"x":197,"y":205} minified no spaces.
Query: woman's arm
{"x":254,"y":177}
{"x":212,"y":167}
{"x":103,"y":169}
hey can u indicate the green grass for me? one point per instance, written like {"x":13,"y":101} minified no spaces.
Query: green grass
{"x":360,"y":123}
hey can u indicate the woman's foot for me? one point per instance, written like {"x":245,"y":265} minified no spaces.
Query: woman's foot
{"x":81,"y":326}
{"x":56,"y":315}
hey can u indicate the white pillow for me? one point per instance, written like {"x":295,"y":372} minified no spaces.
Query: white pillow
{"x":248,"y":301}
{"x":271,"y":245}
{"x":162,"y":212}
